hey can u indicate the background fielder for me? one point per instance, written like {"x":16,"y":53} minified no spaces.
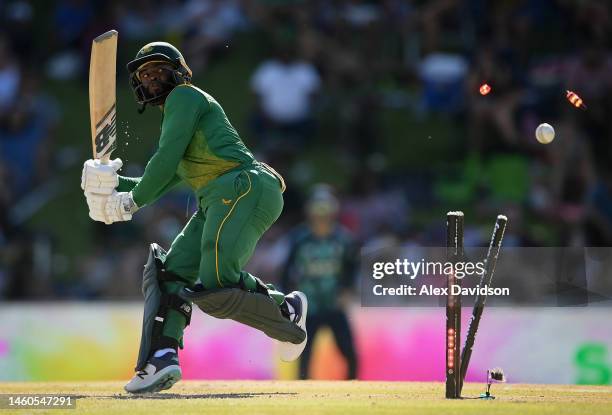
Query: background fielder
{"x":322,"y":263}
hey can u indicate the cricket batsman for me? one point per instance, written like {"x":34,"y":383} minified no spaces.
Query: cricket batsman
{"x":238,"y":198}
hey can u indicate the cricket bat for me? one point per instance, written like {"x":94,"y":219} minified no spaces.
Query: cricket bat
{"x":102,"y":95}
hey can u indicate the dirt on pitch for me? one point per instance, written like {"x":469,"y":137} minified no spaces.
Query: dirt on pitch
{"x":319,"y":397}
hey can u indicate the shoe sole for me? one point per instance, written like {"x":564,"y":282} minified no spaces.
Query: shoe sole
{"x":169,"y":376}
{"x":302,"y":325}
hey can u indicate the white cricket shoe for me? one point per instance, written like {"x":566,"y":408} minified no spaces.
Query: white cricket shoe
{"x":159,"y":374}
{"x":290,"y":351}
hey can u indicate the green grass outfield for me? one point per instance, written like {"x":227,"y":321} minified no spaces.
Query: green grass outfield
{"x":320,"y":397}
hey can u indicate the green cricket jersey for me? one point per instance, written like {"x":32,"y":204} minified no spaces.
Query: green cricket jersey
{"x":197,"y":144}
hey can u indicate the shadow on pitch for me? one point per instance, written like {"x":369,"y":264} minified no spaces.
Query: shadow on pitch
{"x":194,"y":396}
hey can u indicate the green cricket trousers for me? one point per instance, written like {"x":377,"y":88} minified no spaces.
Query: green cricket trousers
{"x":234,"y":211}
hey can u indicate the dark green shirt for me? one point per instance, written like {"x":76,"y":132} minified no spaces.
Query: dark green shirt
{"x":320,"y":267}
{"x":197,"y":144}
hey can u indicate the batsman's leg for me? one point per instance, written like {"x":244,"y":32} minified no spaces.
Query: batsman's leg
{"x":165,"y":313}
{"x":239,"y":209}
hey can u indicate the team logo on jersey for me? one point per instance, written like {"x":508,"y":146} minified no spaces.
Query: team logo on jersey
{"x":226,"y":201}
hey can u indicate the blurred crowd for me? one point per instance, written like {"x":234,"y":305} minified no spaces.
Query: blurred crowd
{"x":329,"y":77}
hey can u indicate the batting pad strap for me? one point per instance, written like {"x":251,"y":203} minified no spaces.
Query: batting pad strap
{"x":167,"y":276}
{"x":168,"y":302}
{"x":174,"y":302}
{"x":158,"y":340}
{"x":164,"y":342}
{"x":260,"y":287}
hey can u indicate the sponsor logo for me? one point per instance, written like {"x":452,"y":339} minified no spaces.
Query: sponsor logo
{"x":106,"y":133}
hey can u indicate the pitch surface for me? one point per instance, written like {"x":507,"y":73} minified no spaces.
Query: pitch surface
{"x":320,"y":397}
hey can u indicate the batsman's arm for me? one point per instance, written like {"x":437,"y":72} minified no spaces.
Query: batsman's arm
{"x":126,"y":184}
{"x":181,"y":114}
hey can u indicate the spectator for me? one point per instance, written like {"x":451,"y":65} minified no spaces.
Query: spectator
{"x":10,"y":76}
{"x":285,"y":87}
{"x":71,"y":20}
{"x":211,"y":25}
{"x":24,"y":133}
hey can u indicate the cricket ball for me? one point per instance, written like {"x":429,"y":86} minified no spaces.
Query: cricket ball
{"x":545,"y":133}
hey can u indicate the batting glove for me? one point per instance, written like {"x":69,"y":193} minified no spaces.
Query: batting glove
{"x":97,"y":205}
{"x":120,"y":207}
{"x":100,"y":178}
{"x":117,"y":207}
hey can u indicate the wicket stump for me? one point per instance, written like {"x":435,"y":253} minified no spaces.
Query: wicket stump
{"x":457,"y":361}
{"x":454,"y":252}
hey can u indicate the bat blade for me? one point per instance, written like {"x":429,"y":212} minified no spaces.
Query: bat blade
{"x":102,"y":95}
